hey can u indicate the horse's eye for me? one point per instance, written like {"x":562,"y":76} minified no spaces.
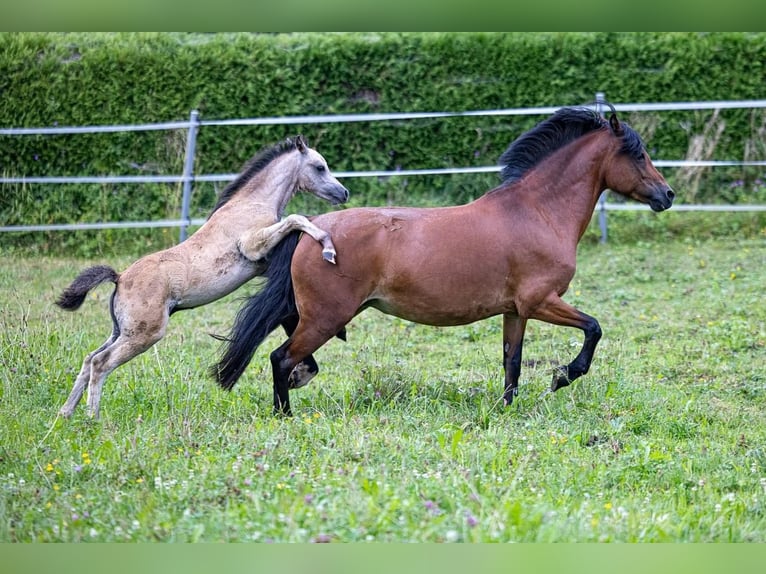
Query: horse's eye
{"x":320,"y":168}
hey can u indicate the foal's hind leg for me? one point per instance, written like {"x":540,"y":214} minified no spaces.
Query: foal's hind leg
{"x":256,"y":244}
{"x":122,"y":350}
{"x":139,"y":324}
{"x":555,"y":310}
{"x":81,"y":382}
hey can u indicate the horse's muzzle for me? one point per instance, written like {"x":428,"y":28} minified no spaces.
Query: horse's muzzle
{"x":662,"y":199}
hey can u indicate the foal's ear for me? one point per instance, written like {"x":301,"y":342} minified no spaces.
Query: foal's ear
{"x":301,"y":144}
{"x":615,"y":124}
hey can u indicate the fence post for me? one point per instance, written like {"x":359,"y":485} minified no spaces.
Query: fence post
{"x":188,"y":175}
{"x":600,"y":99}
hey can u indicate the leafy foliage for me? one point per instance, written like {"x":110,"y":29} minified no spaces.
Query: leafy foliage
{"x":49,"y":79}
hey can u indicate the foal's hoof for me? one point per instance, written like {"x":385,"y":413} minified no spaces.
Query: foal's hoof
{"x":66,"y":413}
{"x":560,"y":379}
{"x":329,"y":256}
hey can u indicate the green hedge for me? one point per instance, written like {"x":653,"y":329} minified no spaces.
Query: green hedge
{"x":101,"y":79}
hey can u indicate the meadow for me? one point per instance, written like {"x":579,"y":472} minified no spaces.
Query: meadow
{"x":402,"y":436}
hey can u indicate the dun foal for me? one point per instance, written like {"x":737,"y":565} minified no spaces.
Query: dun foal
{"x":228,"y":250}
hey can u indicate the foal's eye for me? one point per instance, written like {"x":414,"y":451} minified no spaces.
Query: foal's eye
{"x":320,"y":168}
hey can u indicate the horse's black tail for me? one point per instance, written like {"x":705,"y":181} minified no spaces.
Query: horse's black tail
{"x":260,"y":315}
{"x":73,"y":296}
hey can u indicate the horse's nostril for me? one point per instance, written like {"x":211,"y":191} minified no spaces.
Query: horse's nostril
{"x":671,"y":194}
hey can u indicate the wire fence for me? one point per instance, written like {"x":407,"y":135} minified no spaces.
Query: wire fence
{"x":187,"y":178}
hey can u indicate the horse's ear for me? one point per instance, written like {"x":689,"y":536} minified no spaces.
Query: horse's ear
{"x":300,"y":143}
{"x":615,"y":124}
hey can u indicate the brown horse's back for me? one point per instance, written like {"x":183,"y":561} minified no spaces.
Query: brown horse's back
{"x":440,"y":260}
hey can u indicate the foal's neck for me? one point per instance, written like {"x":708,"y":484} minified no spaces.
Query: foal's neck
{"x":271,"y":189}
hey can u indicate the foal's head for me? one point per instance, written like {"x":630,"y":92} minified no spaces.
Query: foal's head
{"x":306,"y":170}
{"x":313,"y":175}
{"x":630,"y":171}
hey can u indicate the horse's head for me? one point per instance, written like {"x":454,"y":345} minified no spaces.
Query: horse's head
{"x":314,"y":175}
{"x":631,"y":173}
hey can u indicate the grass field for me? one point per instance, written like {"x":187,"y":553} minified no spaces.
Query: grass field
{"x":402,"y":436}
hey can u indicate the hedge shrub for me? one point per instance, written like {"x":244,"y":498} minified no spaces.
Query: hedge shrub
{"x":49,"y":79}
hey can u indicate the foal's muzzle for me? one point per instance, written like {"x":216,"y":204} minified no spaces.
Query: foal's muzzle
{"x":339,"y":195}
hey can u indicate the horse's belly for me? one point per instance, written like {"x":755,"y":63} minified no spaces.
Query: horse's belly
{"x":442,"y":312}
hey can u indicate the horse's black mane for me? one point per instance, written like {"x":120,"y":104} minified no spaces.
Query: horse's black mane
{"x":257,"y":163}
{"x":565,"y":126}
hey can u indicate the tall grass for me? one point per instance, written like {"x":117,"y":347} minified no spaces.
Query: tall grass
{"x":402,"y":436}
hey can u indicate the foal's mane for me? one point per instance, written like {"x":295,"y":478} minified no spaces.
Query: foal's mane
{"x":563,"y":127}
{"x":256,"y":164}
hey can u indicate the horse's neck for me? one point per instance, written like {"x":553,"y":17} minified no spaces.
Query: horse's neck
{"x":567,"y":187}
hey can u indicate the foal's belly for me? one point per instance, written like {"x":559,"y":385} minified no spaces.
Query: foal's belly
{"x":208,"y":287}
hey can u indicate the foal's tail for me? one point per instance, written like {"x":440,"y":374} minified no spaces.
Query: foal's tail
{"x":75,"y":294}
{"x":260,"y":315}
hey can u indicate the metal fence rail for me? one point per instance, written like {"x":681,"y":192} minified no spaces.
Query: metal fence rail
{"x":194,"y":124}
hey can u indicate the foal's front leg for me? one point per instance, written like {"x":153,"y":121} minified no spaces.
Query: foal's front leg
{"x":256,"y":244}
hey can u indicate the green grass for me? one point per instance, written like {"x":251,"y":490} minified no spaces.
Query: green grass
{"x":402,"y":437}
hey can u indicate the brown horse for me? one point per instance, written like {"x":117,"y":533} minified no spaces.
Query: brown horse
{"x":228,"y":250}
{"x":511,"y":252}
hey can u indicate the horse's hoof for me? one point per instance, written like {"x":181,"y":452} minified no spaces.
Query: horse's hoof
{"x":329,"y":256}
{"x":560,"y":379}
{"x":282,"y":412}
{"x":66,"y":413}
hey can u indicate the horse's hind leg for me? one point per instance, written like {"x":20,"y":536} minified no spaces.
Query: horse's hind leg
{"x":302,"y":343}
{"x":81,"y":382}
{"x":555,"y":310}
{"x":307,"y":369}
{"x":513,"y":340}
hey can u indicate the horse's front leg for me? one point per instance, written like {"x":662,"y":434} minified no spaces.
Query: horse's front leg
{"x":513,"y":340}
{"x":256,"y":244}
{"x":554,"y":310}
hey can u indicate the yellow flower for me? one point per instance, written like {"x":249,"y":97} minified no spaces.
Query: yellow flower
{"x":139,"y":480}
{"x":608,"y":506}
{"x":49,"y":468}
{"x":56,"y":487}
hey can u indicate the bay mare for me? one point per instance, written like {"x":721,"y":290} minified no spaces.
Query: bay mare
{"x":229,"y":249}
{"x":510,"y":252}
